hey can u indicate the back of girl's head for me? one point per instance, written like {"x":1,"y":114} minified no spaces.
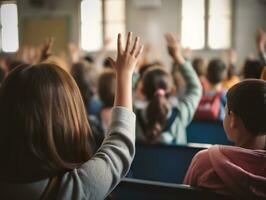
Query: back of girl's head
{"x":156,"y":78}
{"x":145,"y":67}
{"x":253,"y":69}
{"x":216,"y":71}
{"x":247,"y":100}
{"x":82,"y":75}
{"x":157,"y":85}
{"x":12,"y":64}
{"x":106,"y":88}
{"x":42,"y":119}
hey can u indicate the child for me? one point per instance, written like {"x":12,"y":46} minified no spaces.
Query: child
{"x":160,"y":121}
{"x":211,"y":106}
{"x":85,"y":79}
{"x":199,"y":66}
{"x":237,"y":171}
{"x":232,"y":77}
{"x":253,"y":69}
{"x":106,"y":90}
{"x":45,"y":137}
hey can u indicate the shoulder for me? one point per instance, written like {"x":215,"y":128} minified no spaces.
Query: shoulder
{"x":199,"y":164}
{"x":201,"y":158}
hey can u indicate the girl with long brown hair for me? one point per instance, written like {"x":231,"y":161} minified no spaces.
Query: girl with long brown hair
{"x":45,"y":138}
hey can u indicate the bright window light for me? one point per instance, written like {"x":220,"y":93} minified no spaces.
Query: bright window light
{"x":91,"y":25}
{"x":219,"y":24}
{"x":9,"y":30}
{"x":94,"y":22}
{"x":114,"y":20}
{"x":192,"y":25}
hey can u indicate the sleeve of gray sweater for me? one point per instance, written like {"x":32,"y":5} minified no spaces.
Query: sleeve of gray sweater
{"x":189,"y":102}
{"x":96,"y":178}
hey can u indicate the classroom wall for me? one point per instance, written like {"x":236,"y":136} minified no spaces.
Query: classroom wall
{"x":151,"y":24}
{"x":250,"y":14}
{"x":68,"y":9}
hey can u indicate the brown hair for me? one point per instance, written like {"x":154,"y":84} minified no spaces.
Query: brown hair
{"x":154,"y":79}
{"x":247,"y":99}
{"x":106,"y":88}
{"x":216,"y":71}
{"x":82,"y":74}
{"x":43,"y":121}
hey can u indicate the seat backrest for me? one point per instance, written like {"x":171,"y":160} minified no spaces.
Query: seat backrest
{"x":166,"y":163}
{"x":208,"y":132}
{"x":134,"y":189}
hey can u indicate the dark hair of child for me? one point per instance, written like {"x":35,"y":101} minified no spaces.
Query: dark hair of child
{"x":248,"y":100}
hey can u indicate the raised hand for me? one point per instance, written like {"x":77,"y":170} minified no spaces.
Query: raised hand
{"x":261,"y":40}
{"x":46,"y":49}
{"x":174,"y":48}
{"x":124,"y":65}
{"x":74,"y":52}
{"x":127,"y":59}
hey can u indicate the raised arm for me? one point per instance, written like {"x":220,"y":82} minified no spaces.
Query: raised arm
{"x":124,"y":66}
{"x":260,"y":43}
{"x":189,"y":102}
{"x":102,"y":173}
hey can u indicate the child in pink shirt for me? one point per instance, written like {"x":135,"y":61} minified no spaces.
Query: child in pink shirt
{"x":238,"y":171}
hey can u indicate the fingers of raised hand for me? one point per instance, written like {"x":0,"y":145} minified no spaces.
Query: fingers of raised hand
{"x":171,"y":40}
{"x":119,"y":44}
{"x":135,"y":47}
{"x":139,"y":51}
{"x":167,"y":38}
{"x":129,"y":38}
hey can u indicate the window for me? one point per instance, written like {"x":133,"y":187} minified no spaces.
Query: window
{"x":101,"y":19}
{"x":219,"y":23}
{"x":206,"y":23}
{"x":9,"y":27}
{"x":192,"y":24}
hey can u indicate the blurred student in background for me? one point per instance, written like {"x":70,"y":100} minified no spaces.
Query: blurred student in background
{"x":161,"y":122}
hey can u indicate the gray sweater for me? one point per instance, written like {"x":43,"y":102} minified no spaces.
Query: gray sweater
{"x":186,"y":109}
{"x":96,"y":178}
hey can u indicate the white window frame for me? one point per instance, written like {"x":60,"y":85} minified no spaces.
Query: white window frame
{"x":104,"y":22}
{"x":206,"y":27}
{"x":16,"y":47}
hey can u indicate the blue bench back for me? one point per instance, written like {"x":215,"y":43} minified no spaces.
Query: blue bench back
{"x":132,"y":189}
{"x":208,"y":132}
{"x":166,"y":163}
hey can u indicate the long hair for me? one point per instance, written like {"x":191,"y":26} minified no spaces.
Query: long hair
{"x":43,"y":122}
{"x":156,"y":79}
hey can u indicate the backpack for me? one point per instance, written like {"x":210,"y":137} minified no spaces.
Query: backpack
{"x":209,"y":107}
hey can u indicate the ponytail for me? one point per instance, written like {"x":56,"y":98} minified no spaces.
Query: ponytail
{"x":157,"y":84}
{"x":156,"y":114}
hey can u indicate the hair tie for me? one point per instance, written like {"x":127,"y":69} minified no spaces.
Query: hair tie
{"x":159,"y":92}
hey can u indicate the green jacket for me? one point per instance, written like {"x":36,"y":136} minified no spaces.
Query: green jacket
{"x":186,"y":108}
